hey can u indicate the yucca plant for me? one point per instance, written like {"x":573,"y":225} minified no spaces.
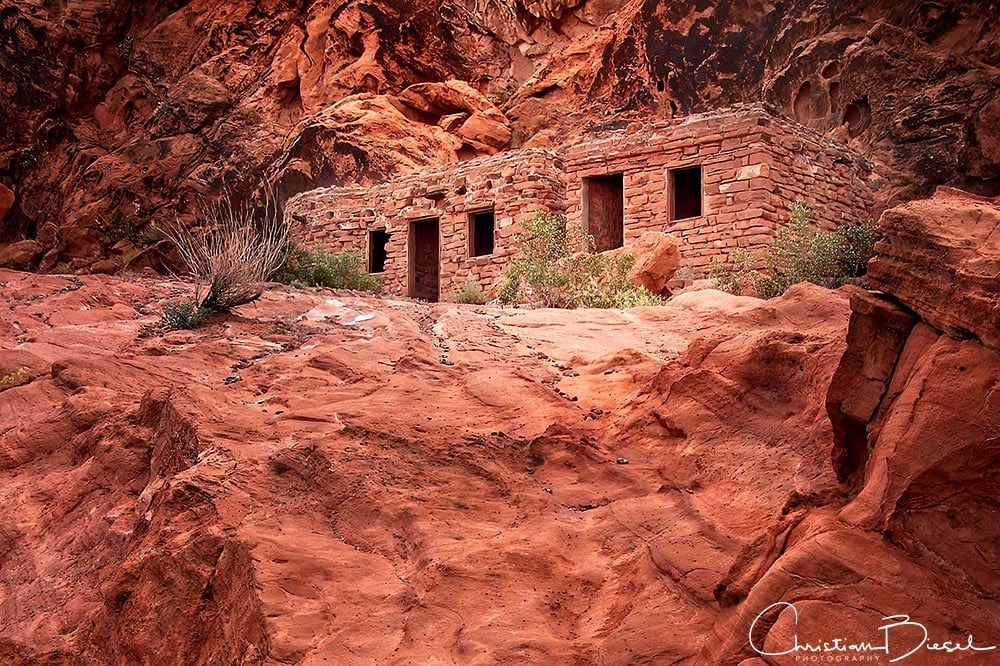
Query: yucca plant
{"x":234,"y":253}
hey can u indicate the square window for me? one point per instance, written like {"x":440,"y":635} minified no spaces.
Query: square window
{"x":481,"y":230}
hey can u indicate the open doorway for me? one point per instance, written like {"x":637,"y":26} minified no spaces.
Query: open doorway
{"x":424,"y":261}
{"x":604,"y":211}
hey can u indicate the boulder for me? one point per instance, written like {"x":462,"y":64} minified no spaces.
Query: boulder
{"x":443,"y":98}
{"x":657,"y":258}
{"x":20,"y":255}
{"x":108,"y":266}
{"x":941,"y":258}
{"x":201,"y":97}
{"x":480,"y":128}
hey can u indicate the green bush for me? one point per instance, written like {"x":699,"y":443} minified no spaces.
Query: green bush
{"x":118,"y":226}
{"x":800,"y":252}
{"x":470,"y":294}
{"x":321,"y":268}
{"x":554,"y":266}
{"x":183,"y":314}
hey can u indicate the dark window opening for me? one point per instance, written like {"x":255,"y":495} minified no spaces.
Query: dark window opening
{"x":604,"y":211}
{"x":686,"y":193}
{"x":481,"y":229}
{"x":377,"y":253}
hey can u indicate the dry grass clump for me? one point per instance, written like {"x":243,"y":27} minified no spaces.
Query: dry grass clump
{"x":233,"y":254}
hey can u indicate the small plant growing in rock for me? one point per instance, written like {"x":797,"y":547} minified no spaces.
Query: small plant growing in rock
{"x":322,"y":268}
{"x":118,"y":226}
{"x":800,"y":252}
{"x":163,"y":107}
{"x":125,"y":49}
{"x":554,"y":266}
{"x":685,"y":272}
{"x":16,"y":378}
{"x":183,"y":315}
{"x":470,"y":294}
{"x":233,"y":255}
{"x":26,"y":158}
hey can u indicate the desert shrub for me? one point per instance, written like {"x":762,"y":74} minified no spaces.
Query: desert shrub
{"x":183,"y":314}
{"x":163,"y":107}
{"x":322,"y":268}
{"x":800,"y":252}
{"x":26,"y":158}
{"x":554,"y":266}
{"x":685,"y":272}
{"x":15,"y":378}
{"x":118,"y":225}
{"x":125,"y":49}
{"x":234,"y":254}
{"x":858,"y":246}
{"x":738,"y":275}
{"x":470,"y":294}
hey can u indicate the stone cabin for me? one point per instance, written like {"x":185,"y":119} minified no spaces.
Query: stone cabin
{"x":716,"y":181}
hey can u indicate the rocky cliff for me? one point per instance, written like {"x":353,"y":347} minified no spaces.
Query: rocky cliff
{"x":344,"y":480}
{"x":116,"y":113}
{"x":323,"y":478}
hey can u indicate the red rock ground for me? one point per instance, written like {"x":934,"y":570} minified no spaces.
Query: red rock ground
{"x":327,"y":479}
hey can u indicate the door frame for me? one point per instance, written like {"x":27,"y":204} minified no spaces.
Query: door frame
{"x":411,"y":254}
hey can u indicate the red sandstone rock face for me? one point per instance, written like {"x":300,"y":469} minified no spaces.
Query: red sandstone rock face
{"x":927,"y":424}
{"x":878,"y":330}
{"x":916,"y":433}
{"x":370,"y":481}
{"x":6,"y":200}
{"x":101,"y":112}
{"x":941,"y":258}
{"x":354,"y":498}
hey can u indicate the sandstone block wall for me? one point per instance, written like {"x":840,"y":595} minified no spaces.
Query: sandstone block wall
{"x":752,"y":164}
{"x":513,"y":184}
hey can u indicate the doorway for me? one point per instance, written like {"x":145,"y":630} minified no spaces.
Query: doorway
{"x":424,"y":260}
{"x":604,"y":211}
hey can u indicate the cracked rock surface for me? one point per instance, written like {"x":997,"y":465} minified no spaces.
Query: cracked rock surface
{"x":327,"y":478}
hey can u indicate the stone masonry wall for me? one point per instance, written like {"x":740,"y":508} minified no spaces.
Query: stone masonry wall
{"x":753,"y":166}
{"x":514,"y":184}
